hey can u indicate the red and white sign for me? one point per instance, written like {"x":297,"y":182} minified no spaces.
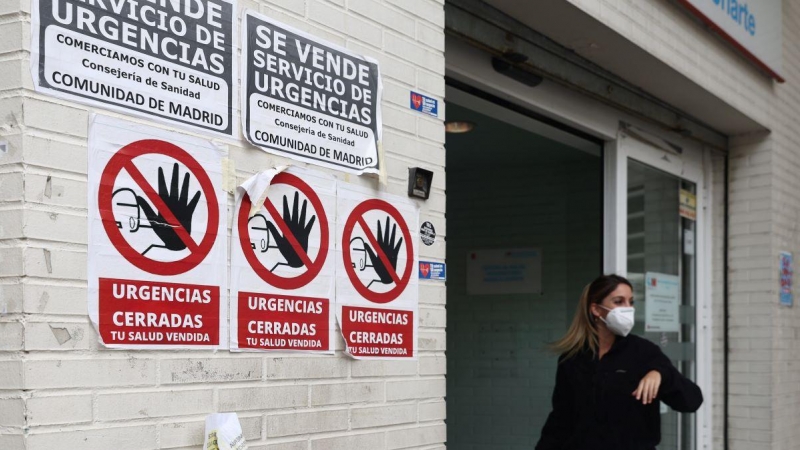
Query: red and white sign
{"x":376,"y":280}
{"x":157,"y":256}
{"x":282,"y":269}
{"x":417,"y":100}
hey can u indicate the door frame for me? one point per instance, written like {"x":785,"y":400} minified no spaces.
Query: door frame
{"x":691,"y":163}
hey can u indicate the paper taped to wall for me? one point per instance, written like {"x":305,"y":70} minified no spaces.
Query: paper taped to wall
{"x":224,"y":432}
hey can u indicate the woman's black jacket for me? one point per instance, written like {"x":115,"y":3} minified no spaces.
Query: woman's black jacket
{"x":593,"y":408}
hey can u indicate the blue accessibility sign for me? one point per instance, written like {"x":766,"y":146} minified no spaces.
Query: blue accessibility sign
{"x":424,"y":104}
{"x":432,"y":271}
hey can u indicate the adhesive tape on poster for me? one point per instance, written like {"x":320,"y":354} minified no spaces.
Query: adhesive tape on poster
{"x":228,"y":175}
{"x":383,"y":175}
{"x":257,"y":187}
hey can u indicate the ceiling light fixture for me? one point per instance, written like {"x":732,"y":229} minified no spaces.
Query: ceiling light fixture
{"x":458,"y":126}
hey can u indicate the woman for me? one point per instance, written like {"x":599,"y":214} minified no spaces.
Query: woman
{"x":609,"y":384}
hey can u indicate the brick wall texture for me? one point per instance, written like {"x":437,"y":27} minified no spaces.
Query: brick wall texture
{"x":764,"y":210}
{"x":60,"y":389}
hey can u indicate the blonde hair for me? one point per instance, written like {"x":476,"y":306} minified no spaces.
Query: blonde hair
{"x":582,"y":333}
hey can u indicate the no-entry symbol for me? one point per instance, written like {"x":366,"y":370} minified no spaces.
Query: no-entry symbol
{"x":381,"y":246}
{"x":291,"y":233}
{"x":170,"y":212}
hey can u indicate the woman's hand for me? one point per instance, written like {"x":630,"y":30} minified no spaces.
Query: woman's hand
{"x":648,"y":387}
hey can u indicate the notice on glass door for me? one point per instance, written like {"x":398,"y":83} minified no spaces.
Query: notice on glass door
{"x":688,"y":205}
{"x":662,"y":304}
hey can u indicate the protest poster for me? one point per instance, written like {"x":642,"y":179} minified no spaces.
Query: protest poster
{"x":171,"y":61}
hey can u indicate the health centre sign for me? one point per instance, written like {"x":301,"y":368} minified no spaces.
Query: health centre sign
{"x":753,"y":27}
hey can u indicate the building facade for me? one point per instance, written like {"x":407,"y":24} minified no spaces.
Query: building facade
{"x":649,"y":138}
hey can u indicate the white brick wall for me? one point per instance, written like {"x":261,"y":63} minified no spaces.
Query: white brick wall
{"x":12,"y":182}
{"x":61,"y":408}
{"x":60,"y":389}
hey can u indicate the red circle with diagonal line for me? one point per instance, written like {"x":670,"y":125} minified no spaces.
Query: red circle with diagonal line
{"x":123,"y":159}
{"x":357,"y":217}
{"x":313,"y":266}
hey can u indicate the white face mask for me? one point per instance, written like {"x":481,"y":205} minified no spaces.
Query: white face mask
{"x":619,"y":320}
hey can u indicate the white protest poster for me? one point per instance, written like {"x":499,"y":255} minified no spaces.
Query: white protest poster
{"x":504,"y":271}
{"x":662,"y":302}
{"x":172,"y":61}
{"x":282,"y":262}
{"x":157,"y":238}
{"x":377,"y":290}
{"x":309,"y":99}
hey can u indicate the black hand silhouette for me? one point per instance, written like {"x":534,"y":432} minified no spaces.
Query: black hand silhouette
{"x":177,"y":202}
{"x":389,"y":248}
{"x":298,"y":227}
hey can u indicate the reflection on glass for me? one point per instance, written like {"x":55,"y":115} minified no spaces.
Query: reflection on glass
{"x":661,"y":245}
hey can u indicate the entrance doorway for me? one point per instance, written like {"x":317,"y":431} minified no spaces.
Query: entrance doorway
{"x":525,"y":234}
{"x":660,"y":231}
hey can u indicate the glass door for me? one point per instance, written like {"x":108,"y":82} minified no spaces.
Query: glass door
{"x":655,"y":225}
{"x":661,"y":249}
